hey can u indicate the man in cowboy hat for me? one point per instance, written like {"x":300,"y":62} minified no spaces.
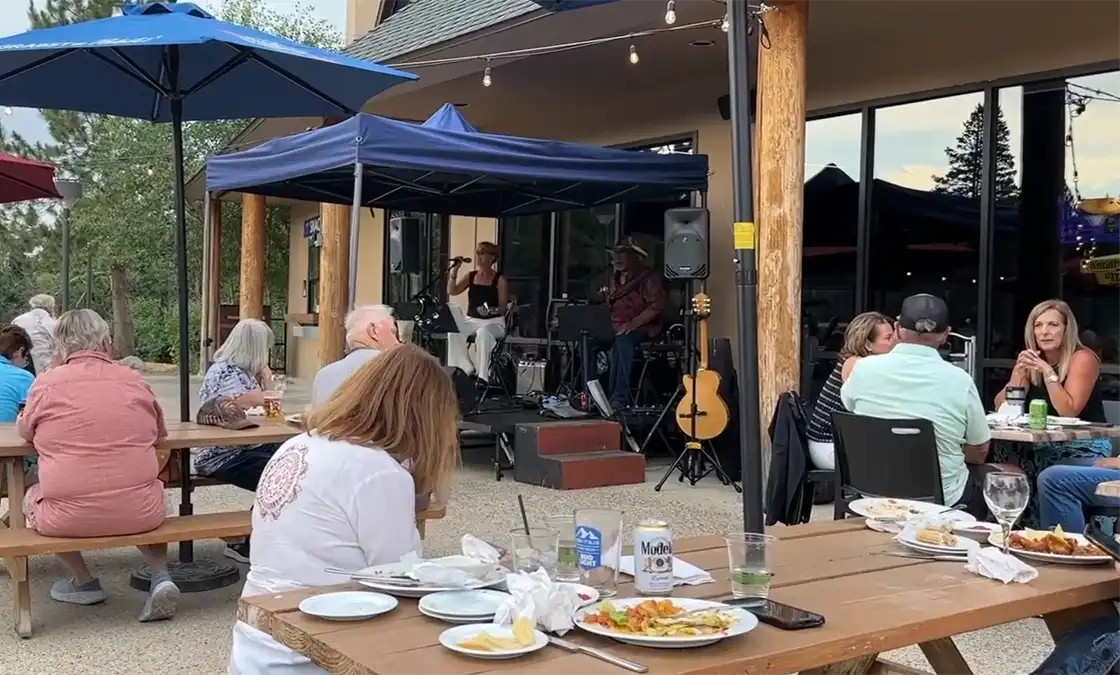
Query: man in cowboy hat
{"x":636,"y":296}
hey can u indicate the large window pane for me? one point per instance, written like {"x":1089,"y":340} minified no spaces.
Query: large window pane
{"x":828,"y":263}
{"x":925,"y":218}
{"x":524,"y":247}
{"x":582,"y":255}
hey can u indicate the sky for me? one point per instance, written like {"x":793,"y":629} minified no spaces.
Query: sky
{"x":29,"y":123}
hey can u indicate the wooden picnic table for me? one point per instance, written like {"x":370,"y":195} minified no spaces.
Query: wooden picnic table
{"x":872,"y":603}
{"x":1079,"y":433}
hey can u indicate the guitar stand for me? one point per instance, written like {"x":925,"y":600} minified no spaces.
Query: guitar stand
{"x":691,"y":464}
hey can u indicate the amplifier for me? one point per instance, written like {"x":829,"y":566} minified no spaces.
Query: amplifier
{"x":530,"y":376}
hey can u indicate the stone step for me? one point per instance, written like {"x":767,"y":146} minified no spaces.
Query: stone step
{"x":582,"y":470}
{"x":566,"y":438}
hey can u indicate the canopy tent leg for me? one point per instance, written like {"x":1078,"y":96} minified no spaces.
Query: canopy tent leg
{"x":207,"y":242}
{"x":355,"y":222}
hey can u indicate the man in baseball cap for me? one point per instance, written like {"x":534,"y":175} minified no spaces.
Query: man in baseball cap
{"x":925,"y":314}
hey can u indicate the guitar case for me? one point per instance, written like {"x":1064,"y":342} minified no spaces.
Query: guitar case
{"x":726,"y":445}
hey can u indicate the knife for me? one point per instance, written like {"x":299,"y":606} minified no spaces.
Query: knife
{"x":598,"y":654}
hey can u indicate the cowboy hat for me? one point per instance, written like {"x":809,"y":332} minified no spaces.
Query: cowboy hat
{"x":628,"y":244}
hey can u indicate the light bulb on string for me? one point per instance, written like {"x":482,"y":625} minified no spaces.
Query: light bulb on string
{"x":633,"y":54}
{"x":725,"y":24}
{"x":486,"y":79}
{"x":671,"y":12}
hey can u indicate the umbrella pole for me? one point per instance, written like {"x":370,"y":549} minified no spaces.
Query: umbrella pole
{"x":746,"y":271}
{"x":355,"y":221}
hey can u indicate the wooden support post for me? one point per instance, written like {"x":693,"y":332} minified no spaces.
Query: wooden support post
{"x":252,"y":256}
{"x":781,"y":180}
{"x":334,"y":266}
{"x":213,"y":291}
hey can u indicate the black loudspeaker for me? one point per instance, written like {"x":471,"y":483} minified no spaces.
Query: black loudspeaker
{"x":404,"y":244}
{"x":464,"y":390}
{"x":723,"y":103}
{"x":687,"y":245}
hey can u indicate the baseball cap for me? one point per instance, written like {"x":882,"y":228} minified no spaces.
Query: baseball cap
{"x":924,"y":313}
{"x":223,"y":412}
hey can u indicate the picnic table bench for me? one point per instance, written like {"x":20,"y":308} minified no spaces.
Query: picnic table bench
{"x":17,"y":543}
{"x":872,"y":603}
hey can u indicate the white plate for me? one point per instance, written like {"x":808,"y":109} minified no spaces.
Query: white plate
{"x":451,"y":638}
{"x":996,"y":539}
{"x":964,"y":545}
{"x":1066,"y":421}
{"x":347,"y":606}
{"x":975,"y":531}
{"x":476,"y":605}
{"x":745,"y":622}
{"x":414,"y":591}
{"x":294,"y":420}
{"x":881,"y":508}
{"x":580,"y":589}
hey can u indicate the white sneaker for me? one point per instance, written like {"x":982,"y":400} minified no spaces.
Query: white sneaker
{"x":162,"y":601}
{"x":89,"y":593}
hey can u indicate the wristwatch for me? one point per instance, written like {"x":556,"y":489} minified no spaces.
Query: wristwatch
{"x":1052,"y":377}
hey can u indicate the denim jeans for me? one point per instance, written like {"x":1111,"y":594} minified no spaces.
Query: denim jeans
{"x":622,"y":365}
{"x":1064,"y":491}
{"x":1092,"y":648}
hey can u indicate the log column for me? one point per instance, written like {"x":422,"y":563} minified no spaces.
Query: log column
{"x":252,"y":257}
{"x":334,"y":274}
{"x":781,"y":152}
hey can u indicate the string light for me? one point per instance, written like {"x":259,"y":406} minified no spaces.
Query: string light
{"x":486,"y":79}
{"x":725,"y":24}
{"x":633,"y":54}
{"x":671,"y":12}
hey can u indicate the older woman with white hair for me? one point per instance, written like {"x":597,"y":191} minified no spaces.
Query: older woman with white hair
{"x":95,"y":424}
{"x":241,"y":374}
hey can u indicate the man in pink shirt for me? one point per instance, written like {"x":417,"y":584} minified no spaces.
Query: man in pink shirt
{"x":94,"y":424}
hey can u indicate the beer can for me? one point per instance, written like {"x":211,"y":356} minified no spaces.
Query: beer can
{"x":653,"y":557}
{"x":1037,"y":414}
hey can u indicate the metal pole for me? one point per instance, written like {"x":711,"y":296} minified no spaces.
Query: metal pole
{"x":65,"y":225}
{"x":355,"y":220}
{"x":89,"y":280}
{"x":207,"y":242}
{"x":741,"y":73}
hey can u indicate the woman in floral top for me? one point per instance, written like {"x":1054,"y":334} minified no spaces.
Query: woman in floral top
{"x":240,"y":373}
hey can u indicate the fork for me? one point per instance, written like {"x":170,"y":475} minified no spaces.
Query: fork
{"x":393,"y":579}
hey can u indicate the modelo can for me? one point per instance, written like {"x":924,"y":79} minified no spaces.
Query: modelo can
{"x":653,"y":557}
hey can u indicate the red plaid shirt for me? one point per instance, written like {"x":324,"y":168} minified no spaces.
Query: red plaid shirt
{"x":631,"y":295}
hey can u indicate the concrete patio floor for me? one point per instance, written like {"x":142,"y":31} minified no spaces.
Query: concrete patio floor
{"x":70,"y":640}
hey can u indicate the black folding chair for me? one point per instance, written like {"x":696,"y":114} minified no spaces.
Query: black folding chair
{"x":877,"y":457}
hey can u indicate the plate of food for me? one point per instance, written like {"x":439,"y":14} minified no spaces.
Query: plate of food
{"x":491,"y":641}
{"x":669,"y":623}
{"x":890,"y":509}
{"x":1052,"y":546}
{"x":936,"y":540}
{"x":397,"y":578}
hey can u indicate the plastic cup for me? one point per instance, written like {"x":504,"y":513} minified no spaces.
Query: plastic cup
{"x":599,"y":548}
{"x":273,"y":405}
{"x":567,"y":559}
{"x":535,"y":549}
{"x":748,"y":559}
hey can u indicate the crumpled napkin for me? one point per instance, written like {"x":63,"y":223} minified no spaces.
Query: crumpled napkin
{"x":477,"y":563}
{"x":995,"y":564}
{"x":533,"y":595}
{"x":684,"y":574}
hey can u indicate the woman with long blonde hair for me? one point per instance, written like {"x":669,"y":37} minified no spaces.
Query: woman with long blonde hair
{"x":867,"y":334}
{"x":1055,"y":367}
{"x":344,"y":494}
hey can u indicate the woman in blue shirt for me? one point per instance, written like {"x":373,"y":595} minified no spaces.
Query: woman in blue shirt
{"x":15,"y":346}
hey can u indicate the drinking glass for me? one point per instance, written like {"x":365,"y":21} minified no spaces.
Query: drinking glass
{"x":599,"y":548}
{"x":1007,"y":495}
{"x":567,"y":560}
{"x":534,"y":549}
{"x":748,"y":559}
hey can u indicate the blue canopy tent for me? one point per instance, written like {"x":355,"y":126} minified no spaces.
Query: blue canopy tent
{"x":445,"y":166}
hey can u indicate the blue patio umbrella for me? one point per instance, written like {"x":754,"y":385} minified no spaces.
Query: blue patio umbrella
{"x":174,"y":62}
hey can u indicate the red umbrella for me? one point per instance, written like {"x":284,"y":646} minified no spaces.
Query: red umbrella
{"x":22,"y":179}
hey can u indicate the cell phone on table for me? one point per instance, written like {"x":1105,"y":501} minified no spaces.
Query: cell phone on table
{"x":778,"y":615}
{"x":1105,"y":542}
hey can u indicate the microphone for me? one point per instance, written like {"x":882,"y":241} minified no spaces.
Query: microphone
{"x":460,"y":259}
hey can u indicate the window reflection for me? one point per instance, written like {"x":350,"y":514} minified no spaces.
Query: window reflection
{"x":583,"y":241}
{"x":828,"y":272}
{"x":524,"y":246}
{"x":401,"y":286}
{"x":925,"y":213}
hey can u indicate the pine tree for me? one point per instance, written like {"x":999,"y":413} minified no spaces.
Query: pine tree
{"x":966,"y":160}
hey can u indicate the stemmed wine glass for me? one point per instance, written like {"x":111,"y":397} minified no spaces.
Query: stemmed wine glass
{"x":1007,"y":495}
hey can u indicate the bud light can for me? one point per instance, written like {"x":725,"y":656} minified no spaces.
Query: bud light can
{"x":653,"y":557}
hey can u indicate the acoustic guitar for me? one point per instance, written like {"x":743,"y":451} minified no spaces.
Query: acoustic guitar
{"x":701,"y":413}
